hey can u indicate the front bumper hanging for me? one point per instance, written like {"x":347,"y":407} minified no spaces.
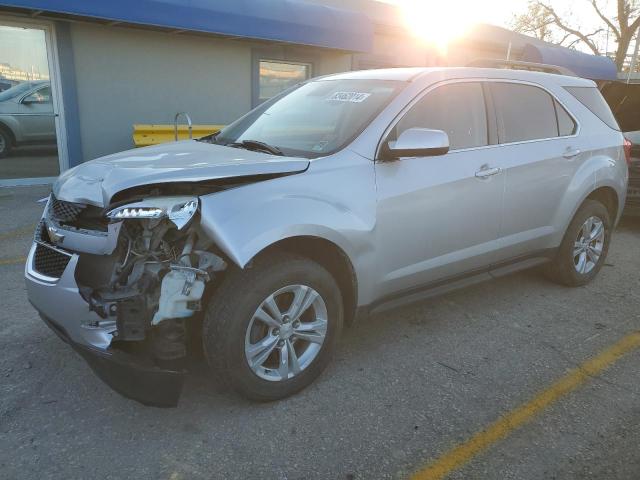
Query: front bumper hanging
{"x":147,"y":384}
{"x":68,"y":315}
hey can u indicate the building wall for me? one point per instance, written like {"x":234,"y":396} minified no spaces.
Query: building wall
{"x":126,"y":76}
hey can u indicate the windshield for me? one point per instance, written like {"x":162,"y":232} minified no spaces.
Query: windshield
{"x":15,"y":90}
{"x":314,"y":120}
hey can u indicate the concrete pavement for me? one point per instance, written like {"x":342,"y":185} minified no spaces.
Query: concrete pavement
{"x":404,"y":388}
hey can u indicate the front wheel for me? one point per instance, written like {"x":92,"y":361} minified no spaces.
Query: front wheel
{"x":584,"y":247}
{"x":271,"y":329}
{"x":5,"y":144}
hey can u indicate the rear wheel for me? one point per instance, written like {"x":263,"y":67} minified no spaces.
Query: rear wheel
{"x":271,"y":329}
{"x":584,"y":247}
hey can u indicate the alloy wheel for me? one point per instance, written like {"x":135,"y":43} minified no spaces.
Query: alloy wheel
{"x":588,"y":246}
{"x":286,"y":333}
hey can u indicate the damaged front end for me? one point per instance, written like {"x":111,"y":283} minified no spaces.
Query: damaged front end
{"x":119,"y":285}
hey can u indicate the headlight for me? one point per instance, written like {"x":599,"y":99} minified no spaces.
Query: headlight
{"x":177,"y":209}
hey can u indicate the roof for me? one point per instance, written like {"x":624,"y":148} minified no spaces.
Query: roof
{"x":411,"y":74}
{"x":399,"y":74}
{"x":288,"y":21}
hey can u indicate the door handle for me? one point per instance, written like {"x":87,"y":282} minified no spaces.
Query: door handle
{"x":485,"y":172}
{"x":571,"y":152}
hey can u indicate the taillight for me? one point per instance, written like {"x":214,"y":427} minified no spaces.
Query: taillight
{"x":627,"y":151}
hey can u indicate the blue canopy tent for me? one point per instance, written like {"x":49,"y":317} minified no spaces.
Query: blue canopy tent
{"x":594,"y":67}
{"x":274,"y":20}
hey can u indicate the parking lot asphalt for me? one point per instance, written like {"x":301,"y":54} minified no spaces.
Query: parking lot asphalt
{"x":31,"y":161}
{"x":406,"y":389}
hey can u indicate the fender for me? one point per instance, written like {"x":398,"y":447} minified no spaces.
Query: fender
{"x":9,"y":123}
{"x":319,"y":202}
{"x":596,"y":172}
{"x":616,"y":176}
{"x":248,"y":232}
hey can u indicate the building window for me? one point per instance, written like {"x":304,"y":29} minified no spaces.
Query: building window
{"x":277,"y":76}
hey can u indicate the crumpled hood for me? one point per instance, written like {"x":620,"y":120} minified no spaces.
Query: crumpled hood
{"x":96,"y":181}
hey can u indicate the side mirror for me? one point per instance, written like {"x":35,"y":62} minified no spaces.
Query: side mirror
{"x":417,"y":142}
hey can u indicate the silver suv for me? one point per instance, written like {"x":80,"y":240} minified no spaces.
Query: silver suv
{"x":346,"y":195}
{"x":26,"y":116}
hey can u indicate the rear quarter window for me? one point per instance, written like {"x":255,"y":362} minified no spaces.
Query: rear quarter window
{"x":591,"y":98}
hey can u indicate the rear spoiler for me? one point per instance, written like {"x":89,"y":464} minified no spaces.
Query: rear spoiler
{"x":517,"y":65}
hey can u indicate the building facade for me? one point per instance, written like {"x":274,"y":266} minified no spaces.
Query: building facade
{"x":76,"y":76}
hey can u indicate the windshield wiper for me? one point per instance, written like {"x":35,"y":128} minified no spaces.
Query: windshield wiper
{"x":257,"y":145}
{"x":211,"y":138}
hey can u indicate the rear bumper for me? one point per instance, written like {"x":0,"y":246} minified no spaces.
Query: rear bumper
{"x":63,"y":309}
{"x":632,"y":205}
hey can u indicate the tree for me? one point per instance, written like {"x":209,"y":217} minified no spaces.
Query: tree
{"x":536,"y":22}
{"x":543,"y":21}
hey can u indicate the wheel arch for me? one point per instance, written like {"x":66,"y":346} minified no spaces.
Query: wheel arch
{"x":608,"y":197}
{"x":5,"y":128}
{"x":330,"y":256}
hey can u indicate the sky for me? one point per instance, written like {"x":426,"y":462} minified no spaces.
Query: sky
{"x":496,"y":12}
{"x":23,"y":48}
{"x":437,"y":21}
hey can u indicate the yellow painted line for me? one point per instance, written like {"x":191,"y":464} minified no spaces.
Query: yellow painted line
{"x":12,"y":261}
{"x":18,"y":232}
{"x":463,"y":453}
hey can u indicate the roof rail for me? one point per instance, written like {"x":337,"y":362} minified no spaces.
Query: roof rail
{"x":517,"y":65}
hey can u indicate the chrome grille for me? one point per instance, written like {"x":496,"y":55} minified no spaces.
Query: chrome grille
{"x":49,"y":261}
{"x":77,"y":215}
{"x":40,"y":235}
{"x":65,"y":211}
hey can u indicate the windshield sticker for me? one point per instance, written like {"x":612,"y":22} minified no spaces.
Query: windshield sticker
{"x":353,"y":97}
{"x":320,"y":146}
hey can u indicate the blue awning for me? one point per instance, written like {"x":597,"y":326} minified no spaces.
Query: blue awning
{"x":582,"y":64}
{"x":288,"y":21}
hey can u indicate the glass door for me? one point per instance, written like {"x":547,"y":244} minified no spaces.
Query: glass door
{"x":28,"y":138}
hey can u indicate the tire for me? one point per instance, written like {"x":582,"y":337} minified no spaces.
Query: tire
{"x":232,"y":331}
{"x":570,"y":270}
{"x":6,"y":143}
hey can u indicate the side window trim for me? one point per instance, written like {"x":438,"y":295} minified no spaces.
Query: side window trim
{"x":555,"y":111}
{"x":492,"y":118}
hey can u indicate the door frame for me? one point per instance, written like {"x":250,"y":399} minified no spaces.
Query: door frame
{"x":56,"y":91}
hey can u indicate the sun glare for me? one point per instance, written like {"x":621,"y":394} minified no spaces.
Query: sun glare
{"x":437,"y":22}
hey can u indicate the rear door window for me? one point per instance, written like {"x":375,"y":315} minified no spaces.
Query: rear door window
{"x":457,"y":108}
{"x":566,"y":124}
{"x":591,"y":98}
{"x":523,"y":112}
